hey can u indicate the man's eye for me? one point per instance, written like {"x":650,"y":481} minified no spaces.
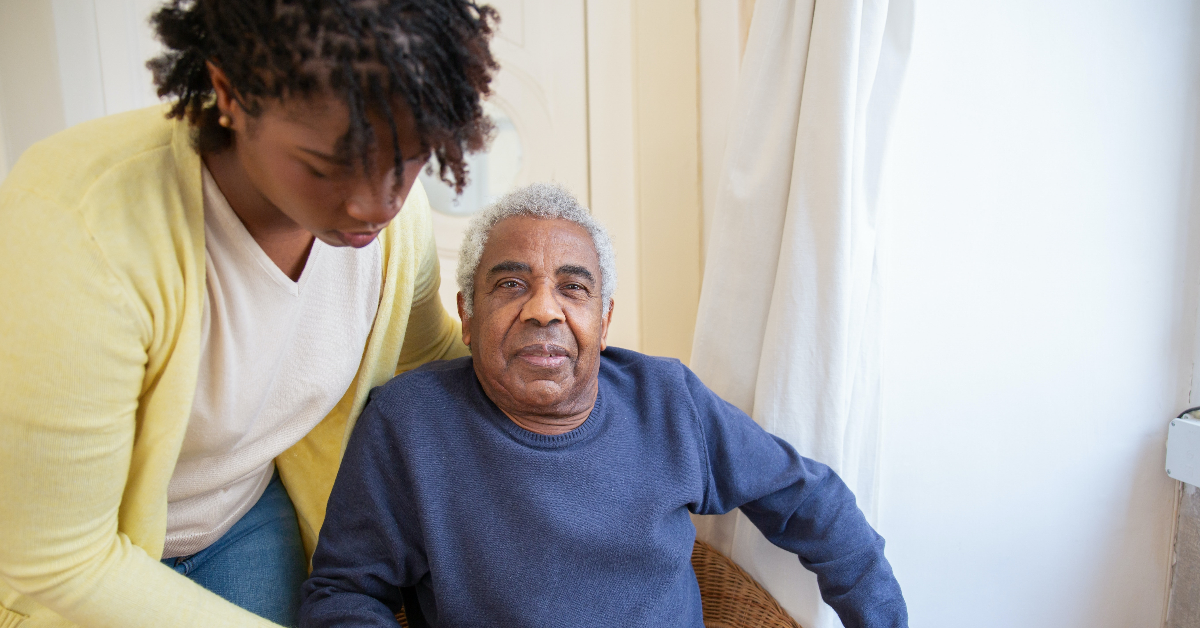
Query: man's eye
{"x":510,"y":283}
{"x":574,"y":286}
{"x":316,"y":173}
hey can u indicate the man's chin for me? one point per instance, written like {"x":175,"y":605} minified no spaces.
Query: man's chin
{"x":539,"y":395}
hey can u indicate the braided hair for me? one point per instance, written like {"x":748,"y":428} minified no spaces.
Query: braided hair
{"x":432,"y":53}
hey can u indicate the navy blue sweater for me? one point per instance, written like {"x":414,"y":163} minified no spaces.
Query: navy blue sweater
{"x":498,"y":526}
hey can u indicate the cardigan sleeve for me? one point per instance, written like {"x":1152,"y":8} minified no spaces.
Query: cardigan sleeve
{"x":432,"y":332}
{"x":72,"y":372}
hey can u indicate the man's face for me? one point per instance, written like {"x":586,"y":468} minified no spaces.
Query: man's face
{"x":539,"y":323}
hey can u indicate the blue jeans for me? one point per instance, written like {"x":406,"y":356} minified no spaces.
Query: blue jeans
{"x":259,"y":564}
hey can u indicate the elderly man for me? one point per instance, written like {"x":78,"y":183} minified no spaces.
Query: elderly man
{"x":547,"y":480}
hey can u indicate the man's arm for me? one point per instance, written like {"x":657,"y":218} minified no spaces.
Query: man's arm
{"x":366,"y":551}
{"x":800,"y":505}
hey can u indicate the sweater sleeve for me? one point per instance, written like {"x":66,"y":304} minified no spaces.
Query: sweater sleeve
{"x":801,"y":506}
{"x":72,"y":370}
{"x":367,"y":549}
{"x":432,"y":332}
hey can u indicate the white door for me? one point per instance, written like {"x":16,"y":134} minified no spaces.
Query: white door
{"x":539,"y":106}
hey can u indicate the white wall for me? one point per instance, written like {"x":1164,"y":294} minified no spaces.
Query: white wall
{"x":720,"y":58}
{"x":1037,"y":205}
{"x":30,"y":97}
{"x":63,"y":62}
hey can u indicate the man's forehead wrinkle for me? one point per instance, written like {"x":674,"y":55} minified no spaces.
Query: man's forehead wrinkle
{"x":570,"y":241}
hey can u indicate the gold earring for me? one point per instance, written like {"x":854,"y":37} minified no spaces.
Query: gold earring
{"x":225,"y":121}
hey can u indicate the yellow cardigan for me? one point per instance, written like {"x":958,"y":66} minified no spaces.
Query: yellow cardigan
{"x":101,"y":292}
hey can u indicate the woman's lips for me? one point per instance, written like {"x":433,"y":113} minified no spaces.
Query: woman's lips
{"x":357,"y":239}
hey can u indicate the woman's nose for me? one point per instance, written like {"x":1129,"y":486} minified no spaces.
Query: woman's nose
{"x":375,"y":203}
{"x":378,"y":200}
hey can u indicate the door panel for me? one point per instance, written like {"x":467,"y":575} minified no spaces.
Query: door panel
{"x":539,"y":101}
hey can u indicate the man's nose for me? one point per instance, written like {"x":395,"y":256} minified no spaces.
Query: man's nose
{"x":542,"y":307}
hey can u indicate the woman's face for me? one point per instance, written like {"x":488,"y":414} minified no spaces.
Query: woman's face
{"x":290,"y":156}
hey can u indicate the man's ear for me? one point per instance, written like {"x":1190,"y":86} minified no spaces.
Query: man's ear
{"x":604,"y":325}
{"x":466,"y":320}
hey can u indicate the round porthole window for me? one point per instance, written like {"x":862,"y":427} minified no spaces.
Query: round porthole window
{"x":490,"y":174}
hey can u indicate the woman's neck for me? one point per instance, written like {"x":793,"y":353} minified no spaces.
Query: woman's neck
{"x":285,"y":242}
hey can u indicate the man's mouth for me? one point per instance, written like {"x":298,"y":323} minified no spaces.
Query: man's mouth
{"x":543,"y":355}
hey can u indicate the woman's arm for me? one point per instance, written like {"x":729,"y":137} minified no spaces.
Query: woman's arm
{"x":432,"y":332}
{"x":72,"y":380}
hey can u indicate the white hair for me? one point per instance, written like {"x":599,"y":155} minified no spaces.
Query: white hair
{"x":539,"y":200}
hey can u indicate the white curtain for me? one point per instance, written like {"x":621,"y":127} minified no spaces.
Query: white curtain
{"x":788,"y":326}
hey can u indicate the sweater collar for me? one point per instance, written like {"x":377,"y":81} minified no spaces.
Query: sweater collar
{"x":585,"y":432}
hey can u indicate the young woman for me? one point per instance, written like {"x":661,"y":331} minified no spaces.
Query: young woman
{"x":195,"y":301}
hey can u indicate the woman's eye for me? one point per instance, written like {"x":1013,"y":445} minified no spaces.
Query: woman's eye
{"x":316,"y":173}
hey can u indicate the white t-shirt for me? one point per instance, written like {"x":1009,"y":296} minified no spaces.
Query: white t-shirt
{"x":276,"y":356}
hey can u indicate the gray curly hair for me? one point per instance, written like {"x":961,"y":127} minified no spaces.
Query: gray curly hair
{"x":539,"y":200}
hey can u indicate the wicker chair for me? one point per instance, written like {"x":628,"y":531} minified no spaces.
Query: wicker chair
{"x":731,"y":598}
